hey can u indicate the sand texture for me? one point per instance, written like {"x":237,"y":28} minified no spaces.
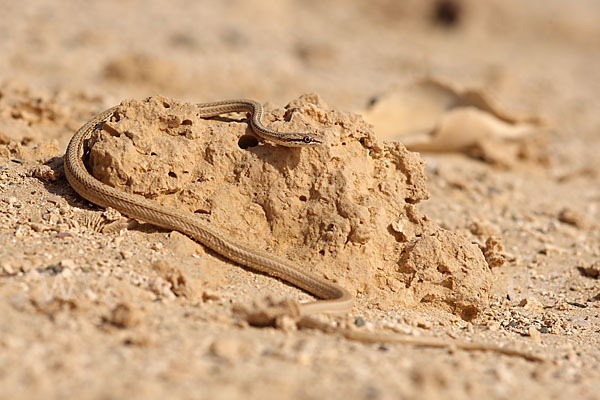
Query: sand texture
{"x":455,"y":196}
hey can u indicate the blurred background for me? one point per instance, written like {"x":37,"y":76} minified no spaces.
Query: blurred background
{"x":529,"y":52}
{"x":62,"y":61}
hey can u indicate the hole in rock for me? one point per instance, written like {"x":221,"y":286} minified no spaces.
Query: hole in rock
{"x":247,"y":141}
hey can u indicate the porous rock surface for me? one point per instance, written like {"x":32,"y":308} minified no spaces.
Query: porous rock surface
{"x":344,"y":210}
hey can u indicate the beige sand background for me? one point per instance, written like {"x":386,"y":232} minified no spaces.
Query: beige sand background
{"x":89,"y":309}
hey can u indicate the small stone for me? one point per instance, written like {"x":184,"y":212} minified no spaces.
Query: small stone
{"x":493,"y":326}
{"x":286,"y":323}
{"x":162,"y":288}
{"x":493,"y":251}
{"x":404,"y":329}
{"x":534,"y":334}
{"x":266,"y":311}
{"x":226,"y":348}
{"x":64,"y":235}
{"x":482,"y":229}
{"x":7,"y":268}
{"x":359,"y":321}
{"x":531,"y":304}
{"x":124,"y":315}
{"x":125,"y":254}
{"x":21,"y":232}
{"x":43,"y":172}
{"x":573,"y":217}
{"x":110,"y":214}
{"x":183,"y":244}
{"x":424,"y":324}
{"x":67,"y":263}
{"x":580,"y":322}
{"x":550,"y":249}
{"x":54,"y":200}
{"x":176,"y":279}
{"x":38,"y":227}
{"x":52,"y":269}
{"x":593,"y":271}
{"x":397,"y":226}
{"x":36,"y":218}
{"x":210,"y":295}
{"x":66,"y":273}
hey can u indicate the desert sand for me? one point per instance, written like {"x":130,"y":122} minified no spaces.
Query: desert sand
{"x":455,"y":196}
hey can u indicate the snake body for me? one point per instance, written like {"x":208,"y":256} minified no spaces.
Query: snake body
{"x":334,"y":298}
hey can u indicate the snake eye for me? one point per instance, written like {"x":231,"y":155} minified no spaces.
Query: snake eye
{"x":307,"y":139}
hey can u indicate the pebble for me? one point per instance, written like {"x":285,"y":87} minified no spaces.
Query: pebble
{"x":21,"y":231}
{"x":286,"y":323}
{"x":493,"y":326}
{"x":579,"y":322}
{"x":534,"y":334}
{"x":208,"y":294}
{"x":592,"y":271}
{"x":403,"y":329}
{"x":162,"y":288}
{"x":424,"y":324}
{"x":124,"y":315}
{"x":550,"y":249}
{"x":39,"y":227}
{"x":226,"y":348}
{"x":67,"y":263}
{"x":125,"y":254}
{"x":572,"y":217}
{"x":7,"y":268}
{"x":531,"y":304}
{"x":64,"y":235}
{"x":66,"y":273}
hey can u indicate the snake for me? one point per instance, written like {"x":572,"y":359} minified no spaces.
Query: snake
{"x":332,"y":298}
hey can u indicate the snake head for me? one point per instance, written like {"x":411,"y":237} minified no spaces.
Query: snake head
{"x":301,"y":140}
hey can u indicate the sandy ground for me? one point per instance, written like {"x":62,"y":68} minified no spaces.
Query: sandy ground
{"x":90,"y":309}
